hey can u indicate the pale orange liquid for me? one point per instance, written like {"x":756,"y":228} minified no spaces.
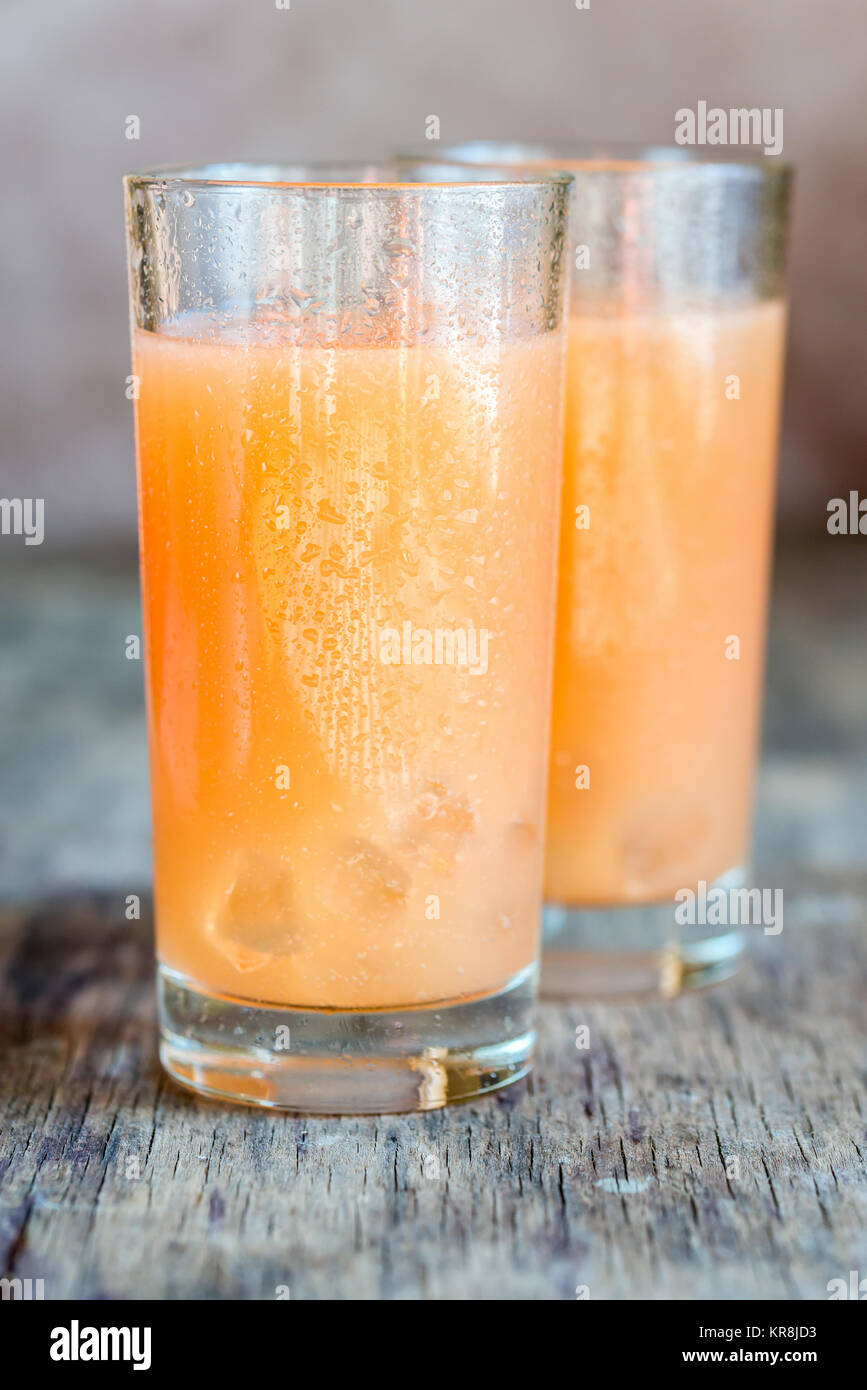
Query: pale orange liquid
{"x":678,"y":477}
{"x":331,"y":830}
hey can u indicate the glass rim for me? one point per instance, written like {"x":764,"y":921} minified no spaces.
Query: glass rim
{"x":601,"y":156}
{"x":345,"y":177}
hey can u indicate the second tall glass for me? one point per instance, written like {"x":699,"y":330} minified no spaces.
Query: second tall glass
{"x":349,"y":436}
{"x":676,"y":337}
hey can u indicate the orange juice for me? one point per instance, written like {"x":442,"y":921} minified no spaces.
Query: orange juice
{"x":670,"y":456}
{"x":346,"y":552}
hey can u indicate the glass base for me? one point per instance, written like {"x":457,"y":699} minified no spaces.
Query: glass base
{"x":345,"y":1062}
{"x":633,"y":952}
{"x":711,"y":960}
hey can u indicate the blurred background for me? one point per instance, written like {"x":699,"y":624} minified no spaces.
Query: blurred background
{"x":298,"y":79}
{"x":234,"y":79}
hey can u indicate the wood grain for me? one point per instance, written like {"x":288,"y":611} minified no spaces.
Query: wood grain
{"x":608,"y":1169}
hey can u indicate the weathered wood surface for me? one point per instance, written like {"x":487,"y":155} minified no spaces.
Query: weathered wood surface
{"x":712,"y":1147}
{"x":609,"y":1169}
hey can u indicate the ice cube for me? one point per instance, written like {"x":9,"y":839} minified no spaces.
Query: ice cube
{"x":369,"y":882}
{"x":523,"y":836}
{"x":253,"y":923}
{"x":438,"y":825}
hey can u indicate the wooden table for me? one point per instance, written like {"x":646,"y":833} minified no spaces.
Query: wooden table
{"x":713,"y":1147}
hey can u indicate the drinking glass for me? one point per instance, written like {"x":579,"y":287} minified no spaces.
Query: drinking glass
{"x":675,"y":366}
{"x":349,"y":428}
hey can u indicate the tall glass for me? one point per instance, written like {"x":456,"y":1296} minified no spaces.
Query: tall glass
{"x":675,"y":366}
{"x":349,"y":432}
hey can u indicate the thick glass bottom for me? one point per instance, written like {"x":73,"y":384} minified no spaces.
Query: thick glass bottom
{"x":345,"y":1062}
{"x":634,"y":952}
